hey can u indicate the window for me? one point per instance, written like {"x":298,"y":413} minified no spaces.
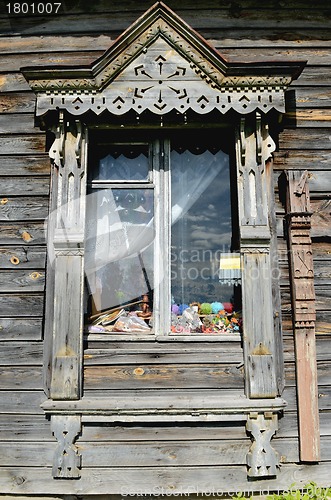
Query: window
{"x":160,"y":220}
{"x":157,"y":68}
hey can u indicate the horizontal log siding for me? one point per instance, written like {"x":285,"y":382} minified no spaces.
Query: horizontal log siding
{"x":173,"y":456}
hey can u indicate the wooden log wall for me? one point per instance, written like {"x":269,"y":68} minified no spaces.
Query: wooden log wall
{"x":244,"y":30}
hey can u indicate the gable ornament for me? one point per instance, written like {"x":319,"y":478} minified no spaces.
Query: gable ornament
{"x":161,"y":64}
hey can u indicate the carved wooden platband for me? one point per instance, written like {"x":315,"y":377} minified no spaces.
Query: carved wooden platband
{"x":254,"y":148}
{"x":160,"y":64}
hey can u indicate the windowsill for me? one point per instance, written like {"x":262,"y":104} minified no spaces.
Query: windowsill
{"x":144,"y":406}
{"x":173,"y":337}
{"x":198,"y":337}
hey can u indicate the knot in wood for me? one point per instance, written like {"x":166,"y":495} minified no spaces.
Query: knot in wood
{"x":35,"y":275}
{"x":139,"y":371}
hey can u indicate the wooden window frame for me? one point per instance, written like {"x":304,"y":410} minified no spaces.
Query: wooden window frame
{"x":257,"y":240}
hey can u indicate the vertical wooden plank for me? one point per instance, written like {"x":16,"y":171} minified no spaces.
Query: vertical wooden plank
{"x":275,"y":276}
{"x":258,"y":324}
{"x":304,"y":316}
{"x":49,"y":301}
{"x":161,"y":153}
{"x":307,"y":390}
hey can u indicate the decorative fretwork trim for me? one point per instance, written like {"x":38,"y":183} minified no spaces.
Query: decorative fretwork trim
{"x":75,"y":253}
{"x":252,"y":249}
{"x":197,"y":97}
{"x":213,"y":73}
{"x":67,"y":460}
{"x":262,"y":459}
{"x":217,"y":84}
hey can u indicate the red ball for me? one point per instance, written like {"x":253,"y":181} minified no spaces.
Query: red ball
{"x":228,"y":307}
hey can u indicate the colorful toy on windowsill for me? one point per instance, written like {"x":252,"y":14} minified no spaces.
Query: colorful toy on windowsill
{"x":188,"y":322}
{"x":228,"y":307}
{"x":182,"y":308}
{"x":175,"y":309}
{"x":216,"y":307}
{"x":205,"y":308}
{"x":195,"y":306}
{"x":222,"y":323}
{"x":211,"y":318}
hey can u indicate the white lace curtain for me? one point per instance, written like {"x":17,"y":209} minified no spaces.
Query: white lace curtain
{"x":119,"y":233}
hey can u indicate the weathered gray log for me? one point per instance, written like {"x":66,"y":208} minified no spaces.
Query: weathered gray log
{"x":163,"y":376}
{"x":172,"y":481}
{"x":20,"y":329}
{"x":23,"y":168}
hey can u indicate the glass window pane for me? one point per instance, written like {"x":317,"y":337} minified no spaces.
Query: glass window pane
{"x":122,"y":162}
{"x":201,"y":231}
{"x":119,"y":256}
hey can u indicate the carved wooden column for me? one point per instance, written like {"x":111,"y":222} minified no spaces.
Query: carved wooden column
{"x":66,"y":223}
{"x":254,"y":147}
{"x":303,"y":310}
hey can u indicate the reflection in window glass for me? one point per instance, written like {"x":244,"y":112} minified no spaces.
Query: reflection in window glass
{"x":119,"y":256}
{"x":201,"y":231}
{"x":121,"y":252}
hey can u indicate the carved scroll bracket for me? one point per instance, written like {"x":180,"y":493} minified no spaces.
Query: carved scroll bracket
{"x":58,"y":148}
{"x":254,"y":147}
{"x":56,"y":151}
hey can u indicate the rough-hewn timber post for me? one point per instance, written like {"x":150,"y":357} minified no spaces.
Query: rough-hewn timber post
{"x":254,"y":147}
{"x":304,"y":316}
{"x":66,"y":256}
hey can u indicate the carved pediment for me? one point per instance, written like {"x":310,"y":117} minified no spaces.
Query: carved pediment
{"x":161,"y":64}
